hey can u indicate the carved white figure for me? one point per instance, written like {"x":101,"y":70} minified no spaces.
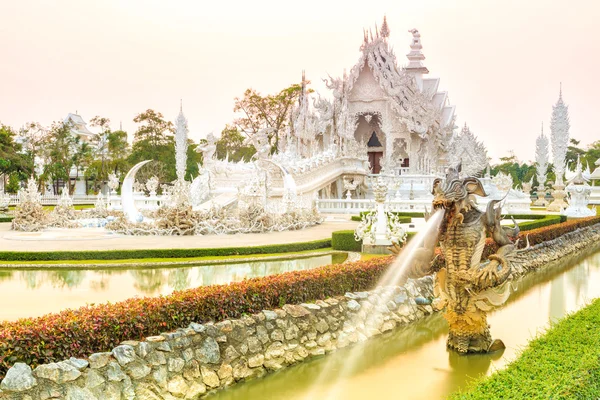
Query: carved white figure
{"x":541,"y":165}
{"x":152,"y":185}
{"x":579,"y":195}
{"x":208,"y":149}
{"x":113,"y":182}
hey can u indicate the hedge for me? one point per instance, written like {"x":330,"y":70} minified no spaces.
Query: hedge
{"x":561,"y":364}
{"x":89,"y":329}
{"x":344,"y":240}
{"x":161,"y":253}
{"x":81,"y":332}
{"x":5,"y":218}
{"x":541,"y":222}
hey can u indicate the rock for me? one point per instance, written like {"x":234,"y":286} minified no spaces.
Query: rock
{"x":321,"y":326}
{"x":295,"y":311}
{"x":195,"y":390}
{"x":277,"y":335}
{"x":274,"y":365}
{"x":175,"y":364}
{"x":311,"y":306}
{"x":187,"y":354}
{"x":18,"y":378}
{"x":209,"y":352}
{"x":124,"y":354}
{"x":241,"y":371}
{"x":353,"y":305}
{"x":270,"y":315}
{"x":114,"y":372}
{"x":60,"y":372}
{"x":155,"y":339}
{"x":199,"y":328}
{"x":324,"y":339}
{"x":254,"y":344}
{"x":256,"y":361}
{"x":243,"y":348}
{"x":78,"y":363}
{"x":231,"y":353}
{"x":209,"y":377}
{"x":99,"y":360}
{"x":238,"y":332}
{"x":77,"y":393}
{"x":421,"y":301}
{"x":160,"y":376}
{"x":164,"y":346}
{"x":143,"y":349}
{"x":191,"y":370}
{"x":350,"y":296}
{"x":362,"y":295}
{"x":94,"y":379}
{"x":177,"y":386}
{"x":262,"y":334}
{"x":275,"y":350}
{"x":400,"y":299}
{"x":156,"y":358}
{"x":51,"y":391}
{"x":225,"y":371}
{"x":138,"y":369}
{"x":292,"y":332}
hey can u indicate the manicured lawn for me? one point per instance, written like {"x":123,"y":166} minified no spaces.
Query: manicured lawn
{"x":563,"y":363}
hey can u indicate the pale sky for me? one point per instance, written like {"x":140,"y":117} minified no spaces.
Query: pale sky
{"x":500,"y":61}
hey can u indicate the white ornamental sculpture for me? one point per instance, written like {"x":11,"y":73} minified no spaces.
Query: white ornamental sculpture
{"x":541,"y":165}
{"x":152,"y":185}
{"x":113,"y":183}
{"x":467,"y":151}
{"x":559,"y":135}
{"x":181,"y":144}
{"x":208,"y":150}
{"x":579,"y":195}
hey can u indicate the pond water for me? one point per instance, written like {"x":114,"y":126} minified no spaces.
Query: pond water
{"x":413,"y":363}
{"x":30,"y":293}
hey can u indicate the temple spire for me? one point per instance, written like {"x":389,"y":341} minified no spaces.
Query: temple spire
{"x":385,"y":29}
{"x":416,"y":57}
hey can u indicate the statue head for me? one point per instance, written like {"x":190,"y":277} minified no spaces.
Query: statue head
{"x":455,"y":195}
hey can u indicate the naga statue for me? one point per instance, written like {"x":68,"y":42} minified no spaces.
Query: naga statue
{"x":464,"y":286}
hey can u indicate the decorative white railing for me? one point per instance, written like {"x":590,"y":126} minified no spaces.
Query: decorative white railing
{"x":52,"y":199}
{"x":355,"y":206}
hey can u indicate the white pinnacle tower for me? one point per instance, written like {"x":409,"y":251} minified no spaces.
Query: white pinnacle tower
{"x":559,"y":136}
{"x":181,"y":145}
{"x":541,"y":161}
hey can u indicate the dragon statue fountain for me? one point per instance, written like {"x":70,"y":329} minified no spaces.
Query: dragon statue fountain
{"x":465,"y":287}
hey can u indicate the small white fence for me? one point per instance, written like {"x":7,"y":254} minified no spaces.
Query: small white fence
{"x":52,"y":199}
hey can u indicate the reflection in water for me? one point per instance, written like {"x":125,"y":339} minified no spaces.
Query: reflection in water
{"x":36,"y":292}
{"x":414,"y":364}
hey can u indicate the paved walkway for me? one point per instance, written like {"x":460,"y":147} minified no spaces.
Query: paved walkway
{"x":99,"y":241}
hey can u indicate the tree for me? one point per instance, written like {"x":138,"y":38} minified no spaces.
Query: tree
{"x":573,"y":152}
{"x":118,"y":150}
{"x":258,"y":112}
{"x":154,"y":129}
{"x":59,"y":146}
{"x":231,"y":145}
{"x":34,"y":136}
{"x":11,"y":159}
{"x":154,"y":141}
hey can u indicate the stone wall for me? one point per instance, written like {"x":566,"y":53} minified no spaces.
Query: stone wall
{"x":191,"y":362}
{"x":194,"y":361}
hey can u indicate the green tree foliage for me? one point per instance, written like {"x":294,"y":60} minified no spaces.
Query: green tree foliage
{"x":13,"y":184}
{"x":11,"y":158}
{"x":34,"y":137}
{"x":153,"y":140}
{"x":258,"y":112}
{"x":231,"y":144}
{"x":520,"y":172}
{"x":62,"y":150}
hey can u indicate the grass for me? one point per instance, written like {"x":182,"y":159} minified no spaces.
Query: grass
{"x":168,"y":260}
{"x":563,"y":363}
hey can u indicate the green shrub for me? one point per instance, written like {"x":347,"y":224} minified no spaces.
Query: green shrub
{"x":344,"y":240}
{"x":161,"y":253}
{"x":538,"y":223}
{"x":6,"y":218}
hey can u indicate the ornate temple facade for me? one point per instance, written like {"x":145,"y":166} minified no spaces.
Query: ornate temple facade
{"x":397,"y":115}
